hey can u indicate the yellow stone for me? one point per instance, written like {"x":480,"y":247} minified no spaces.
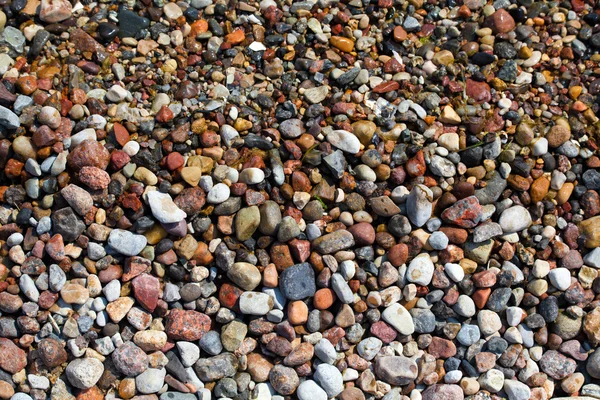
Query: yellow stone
{"x":48,"y":72}
{"x":499,"y":84}
{"x":206,"y":164}
{"x":469,"y":266}
{"x":548,"y":75}
{"x":564,"y":193}
{"x":242,"y":124}
{"x":449,"y":116}
{"x":199,"y":126}
{"x":73,"y":293}
{"x":155,"y":234}
{"x":525,"y":52}
{"x":169,"y":66}
{"x":586,"y":276}
{"x":539,"y":189}
{"x":186,"y":247}
{"x":145,"y":176}
{"x":127,"y":388}
{"x":575,"y":91}
{"x":191,"y":175}
{"x":443,"y":57}
{"x":118,"y":309}
{"x":364,"y":131}
{"x":344,"y":44}
{"x":590,"y":230}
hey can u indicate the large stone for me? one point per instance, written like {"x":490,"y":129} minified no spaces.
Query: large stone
{"x":13,"y":358}
{"x":396,"y":370}
{"x":186,"y":325}
{"x":130,"y":359}
{"x":79,"y":199}
{"x":217,"y":367}
{"x":418,"y":205}
{"x":298,"y":282}
{"x":333,"y":242}
{"x":515,"y":219}
{"x":245,"y":275}
{"x":443,"y":392}
{"x":83,"y":373}
{"x":163,"y":208}
{"x":247,"y":221}
{"x":126,"y":243}
{"x":399,"y":318}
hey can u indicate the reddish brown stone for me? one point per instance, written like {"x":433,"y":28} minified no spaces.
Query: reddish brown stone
{"x":478,"y":91}
{"x":89,"y":153}
{"x":398,"y":254}
{"x":186,"y":325}
{"x":465,"y":213}
{"x":191,"y":200}
{"x":13,"y":358}
{"x":501,"y":21}
{"x":55,"y":247}
{"x":229,"y":295}
{"x":51,"y":352}
{"x":164,"y":114}
{"x":481,"y":296}
{"x":441,"y":348}
{"x":484,"y":279}
{"x":134,"y":266}
{"x":118,"y":159}
{"x":455,"y":235}
{"x":13,"y":168}
{"x":146,"y":289}
{"x":94,"y":178}
{"x":300,"y":249}
{"x":281,"y":256}
{"x":84,"y":42}
{"x":383,"y":331}
{"x":93,"y":393}
{"x":485,"y":361}
{"x":120,"y":134}
{"x":363,"y":233}
{"x":47,"y":299}
{"x":385,"y":87}
{"x":416,"y":165}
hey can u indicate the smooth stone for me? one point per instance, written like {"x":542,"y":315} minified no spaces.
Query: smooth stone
{"x":163,"y":208}
{"x":399,"y":318}
{"x":418,"y":205}
{"x":515,"y":219}
{"x":126,"y":243}
{"x":344,"y":141}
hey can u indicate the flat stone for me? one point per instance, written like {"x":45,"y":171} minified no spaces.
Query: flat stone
{"x":298,"y":282}
{"x":396,"y":370}
{"x":399,"y":318}
{"x":163,"y":208}
{"x":333,"y":242}
{"x":126,"y":243}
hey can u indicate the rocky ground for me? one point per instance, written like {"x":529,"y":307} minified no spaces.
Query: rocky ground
{"x":377,"y":199}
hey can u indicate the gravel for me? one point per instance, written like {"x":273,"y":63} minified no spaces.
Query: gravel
{"x":264,"y":199}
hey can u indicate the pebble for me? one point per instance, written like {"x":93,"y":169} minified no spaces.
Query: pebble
{"x":514,"y":219}
{"x":164,"y":209}
{"x":259,"y":200}
{"x":298,"y":282}
{"x":126,"y":243}
{"x":83,"y":373}
{"x":330,"y":379}
{"x":397,"y":316}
